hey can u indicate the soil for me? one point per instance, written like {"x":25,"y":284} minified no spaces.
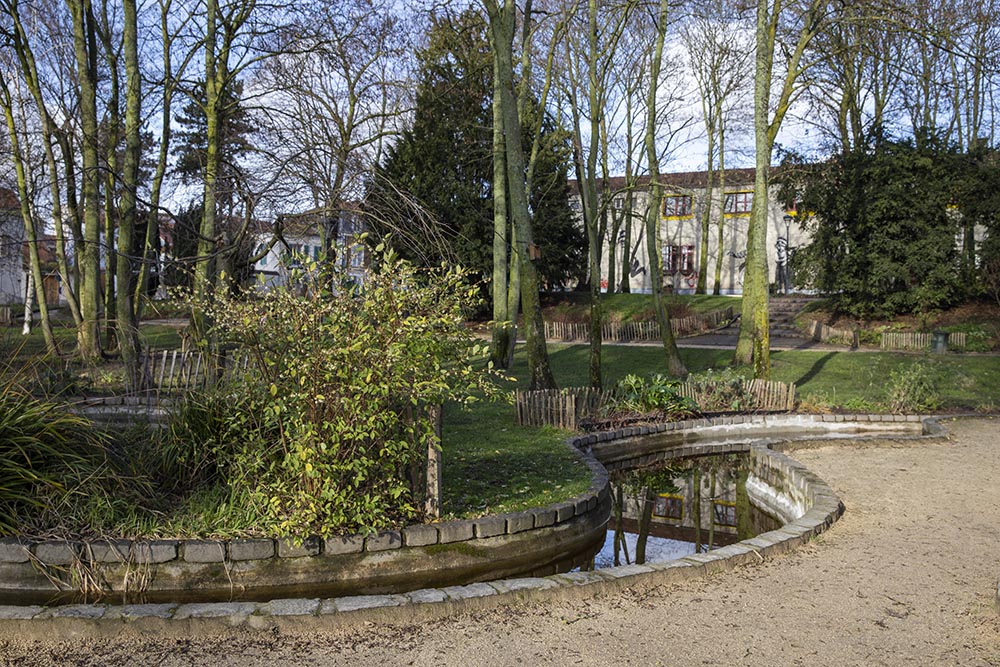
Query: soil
{"x":906,"y":577}
{"x":983,"y":313}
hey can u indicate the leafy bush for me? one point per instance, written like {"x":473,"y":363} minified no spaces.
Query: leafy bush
{"x":334,"y":413}
{"x":656,"y":394}
{"x":722,"y":390}
{"x":911,"y":388}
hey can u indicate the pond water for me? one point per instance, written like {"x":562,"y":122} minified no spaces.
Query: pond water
{"x":678,"y":508}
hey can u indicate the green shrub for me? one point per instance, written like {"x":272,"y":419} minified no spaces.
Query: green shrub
{"x":656,"y":394}
{"x":334,"y":413}
{"x":722,"y":390}
{"x":911,"y":388}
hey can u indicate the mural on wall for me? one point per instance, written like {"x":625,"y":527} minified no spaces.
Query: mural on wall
{"x":742,"y":254}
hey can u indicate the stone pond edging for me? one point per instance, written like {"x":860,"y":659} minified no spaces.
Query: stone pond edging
{"x":697,"y":437}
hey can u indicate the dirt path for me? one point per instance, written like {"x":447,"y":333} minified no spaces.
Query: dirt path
{"x":905,"y":578}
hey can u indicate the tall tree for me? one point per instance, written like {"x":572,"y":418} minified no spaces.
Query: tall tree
{"x":790,"y":27}
{"x":85,"y":51}
{"x":502,"y":21}
{"x":719,"y":56}
{"x":675,"y":366}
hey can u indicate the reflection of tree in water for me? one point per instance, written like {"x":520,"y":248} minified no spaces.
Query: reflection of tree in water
{"x":716,"y":481}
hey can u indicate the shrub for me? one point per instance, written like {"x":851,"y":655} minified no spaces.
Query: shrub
{"x":334,"y":415}
{"x":656,"y":394}
{"x":911,"y":388}
{"x":722,"y":390}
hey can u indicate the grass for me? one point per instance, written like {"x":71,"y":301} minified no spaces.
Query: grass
{"x":575,"y":306}
{"x":493,"y":465}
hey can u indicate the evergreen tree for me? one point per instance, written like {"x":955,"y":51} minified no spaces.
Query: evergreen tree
{"x":444,"y":161}
{"x":885,"y":227}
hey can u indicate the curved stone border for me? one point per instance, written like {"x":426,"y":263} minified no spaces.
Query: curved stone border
{"x":537,"y":541}
{"x":303,"y":615}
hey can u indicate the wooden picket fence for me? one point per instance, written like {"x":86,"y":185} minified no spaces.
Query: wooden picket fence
{"x":566,"y":408}
{"x":763,"y":395}
{"x":562,"y":408}
{"x":180,"y":371}
{"x":618,"y":332}
{"x":6,"y":316}
{"x":906,"y":340}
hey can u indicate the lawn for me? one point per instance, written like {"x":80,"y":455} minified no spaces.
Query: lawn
{"x":492,"y":465}
{"x":575,"y":306}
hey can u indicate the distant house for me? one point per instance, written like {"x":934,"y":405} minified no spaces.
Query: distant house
{"x":296,"y":240}
{"x":11,"y":244}
{"x":680,"y":239}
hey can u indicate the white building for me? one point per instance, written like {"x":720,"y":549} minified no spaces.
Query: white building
{"x":680,"y":238}
{"x":297,"y":239}
{"x":11,"y":245}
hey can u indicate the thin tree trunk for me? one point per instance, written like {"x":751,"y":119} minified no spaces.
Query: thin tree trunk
{"x":500,"y":351}
{"x":502,"y":27}
{"x":85,"y":48}
{"x":127,"y":267}
{"x":647,"y":498}
{"x":675,"y":366}
{"x":35,"y":281}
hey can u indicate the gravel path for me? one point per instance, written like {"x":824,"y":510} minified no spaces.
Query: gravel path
{"x":905,"y":578}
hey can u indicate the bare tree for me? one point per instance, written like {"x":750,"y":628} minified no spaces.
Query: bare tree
{"x":785,"y":31}
{"x":719,"y":55}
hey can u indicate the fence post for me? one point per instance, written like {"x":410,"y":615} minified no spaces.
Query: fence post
{"x":432,"y":500}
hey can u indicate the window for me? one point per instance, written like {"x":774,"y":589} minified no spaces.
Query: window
{"x":724,"y":513}
{"x":739,"y":202}
{"x":357,"y":258}
{"x":671,"y":258}
{"x":669,"y":506}
{"x":687,"y":259}
{"x":677,"y":206}
{"x":678,"y":259}
{"x":619,"y":202}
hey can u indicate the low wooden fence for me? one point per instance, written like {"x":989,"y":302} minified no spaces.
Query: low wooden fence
{"x":179,"y":371}
{"x":823,"y":333}
{"x":566,"y":408}
{"x":6,"y":316}
{"x":638,"y":331}
{"x":905,"y":340}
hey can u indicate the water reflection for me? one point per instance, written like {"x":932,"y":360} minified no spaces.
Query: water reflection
{"x":680,"y":507}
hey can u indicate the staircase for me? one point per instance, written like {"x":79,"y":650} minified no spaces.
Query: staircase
{"x":782,"y":312}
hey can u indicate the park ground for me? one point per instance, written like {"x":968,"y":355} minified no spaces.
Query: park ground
{"x":906,"y":577}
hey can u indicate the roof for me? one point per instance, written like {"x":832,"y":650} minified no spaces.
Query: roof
{"x":9,"y":200}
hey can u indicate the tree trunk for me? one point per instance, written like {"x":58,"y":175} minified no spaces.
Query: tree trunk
{"x":675,"y":366}
{"x":127,"y":266}
{"x":89,"y":256}
{"x":502,"y":29}
{"x":500,"y":351}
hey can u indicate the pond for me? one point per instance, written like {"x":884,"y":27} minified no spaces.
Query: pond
{"x":680,"y":507}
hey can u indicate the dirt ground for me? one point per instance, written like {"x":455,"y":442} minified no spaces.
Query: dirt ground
{"x":907,"y":577}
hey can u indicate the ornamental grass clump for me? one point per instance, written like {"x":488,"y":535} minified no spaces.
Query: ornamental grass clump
{"x":46,"y":455}
{"x":332,"y":414}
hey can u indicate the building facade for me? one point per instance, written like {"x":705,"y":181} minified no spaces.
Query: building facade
{"x":680,"y":238}
{"x":301,"y":240}
{"x":11,"y":248}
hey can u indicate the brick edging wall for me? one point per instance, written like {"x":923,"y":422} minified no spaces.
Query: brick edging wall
{"x":304,"y":615}
{"x":374,"y":561}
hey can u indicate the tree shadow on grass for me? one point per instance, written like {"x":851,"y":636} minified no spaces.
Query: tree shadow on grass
{"x":815,"y":369}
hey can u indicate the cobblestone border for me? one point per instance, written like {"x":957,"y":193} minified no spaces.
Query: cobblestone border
{"x":303,"y":615}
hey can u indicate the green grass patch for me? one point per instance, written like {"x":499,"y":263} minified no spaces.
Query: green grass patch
{"x":493,"y":466}
{"x":839,"y":379}
{"x":575,"y":306}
